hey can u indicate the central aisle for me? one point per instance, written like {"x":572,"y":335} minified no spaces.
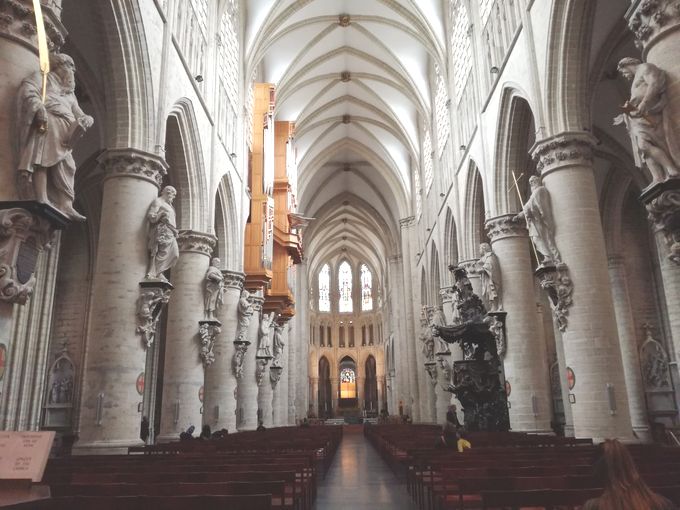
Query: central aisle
{"x":360,"y":480}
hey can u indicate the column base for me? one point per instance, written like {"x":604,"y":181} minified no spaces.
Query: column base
{"x":116,"y":447}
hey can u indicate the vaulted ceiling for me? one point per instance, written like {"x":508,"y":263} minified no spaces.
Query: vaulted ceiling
{"x":354,"y":77}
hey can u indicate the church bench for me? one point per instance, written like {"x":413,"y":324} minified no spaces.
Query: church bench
{"x":547,"y":499}
{"x":277,"y":490}
{"x":231,"y":502}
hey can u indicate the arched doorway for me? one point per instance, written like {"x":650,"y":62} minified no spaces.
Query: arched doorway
{"x":348,"y":384}
{"x":371,"y":387}
{"x":325,"y":390}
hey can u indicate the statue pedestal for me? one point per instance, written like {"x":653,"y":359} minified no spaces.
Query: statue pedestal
{"x":27,"y":231}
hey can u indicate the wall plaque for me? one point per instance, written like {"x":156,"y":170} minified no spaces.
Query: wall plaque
{"x":23,"y":455}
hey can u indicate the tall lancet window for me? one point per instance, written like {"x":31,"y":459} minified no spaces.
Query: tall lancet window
{"x":366,"y":289}
{"x":345,"y":284}
{"x":324,"y":289}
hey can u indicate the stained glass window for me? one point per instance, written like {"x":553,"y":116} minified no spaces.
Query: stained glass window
{"x":345,"y":284}
{"x":366,"y":288}
{"x":324,"y":289}
{"x":441,"y":112}
{"x":427,"y":160}
{"x":348,"y":387}
{"x":460,"y":46}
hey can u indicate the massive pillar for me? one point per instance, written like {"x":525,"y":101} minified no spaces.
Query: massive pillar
{"x":525,"y":360}
{"x":293,"y":370}
{"x":220,"y":402}
{"x":656,"y":27}
{"x":247,"y":385}
{"x":183,"y":369}
{"x":116,"y":353}
{"x":629,"y":348}
{"x":583,"y":296}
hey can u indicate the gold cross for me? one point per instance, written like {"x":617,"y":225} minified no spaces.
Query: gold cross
{"x":43,"y":51}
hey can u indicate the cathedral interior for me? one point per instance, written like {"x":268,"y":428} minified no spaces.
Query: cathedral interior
{"x":267,"y":213}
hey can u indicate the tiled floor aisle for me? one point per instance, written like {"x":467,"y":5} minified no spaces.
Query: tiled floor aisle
{"x":359,"y":479}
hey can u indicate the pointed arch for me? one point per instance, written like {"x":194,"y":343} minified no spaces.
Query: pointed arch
{"x":474,"y":212}
{"x":450,"y":243}
{"x":226,"y":225}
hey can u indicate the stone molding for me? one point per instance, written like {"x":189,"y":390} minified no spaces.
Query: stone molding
{"x":650,"y":20}
{"x":17,"y":20}
{"x":207,"y":333}
{"x":21,"y":233}
{"x":235,"y":280}
{"x":258,"y":302}
{"x":563,"y":150}
{"x":133,"y":163}
{"x":502,"y":227}
{"x":196,"y":242}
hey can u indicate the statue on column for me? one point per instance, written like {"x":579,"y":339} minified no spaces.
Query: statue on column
{"x":245,"y":312}
{"x":214,"y":289}
{"x":654,"y":145}
{"x":47,"y":132}
{"x":263,"y":340}
{"x":426,"y":337}
{"x":537,"y":212}
{"x":489,"y":271}
{"x":162,"y":236}
{"x":278,"y":345}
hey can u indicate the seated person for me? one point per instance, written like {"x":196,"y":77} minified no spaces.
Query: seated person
{"x":205,"y":432}
{"x":452,"y":416}
{"x":462,"y":443}
{"x":449,"y":437}
{"x":188,"y":434}
{"x":623,"y":487}
{"x":260,"y":425}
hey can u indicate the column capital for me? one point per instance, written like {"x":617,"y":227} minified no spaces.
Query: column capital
{"x":196,"y":242}
{"x":502,"y":227}
{"x":258,"y":302}
{"x":133,"y":163}
{"x":235,"y":280}
{"x":571,"y":148}
{"x":650,"y":20}
{"x":663,"y":212}
{"x":17,"y":21}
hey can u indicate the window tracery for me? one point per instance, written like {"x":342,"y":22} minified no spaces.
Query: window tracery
{"x":228,"y":62}
{"x":345,"y":286}
{"x":324,"y":289}
{"x":366,"y":289}
{"x":441,"y":112}
{"x":461,"y":48}
{"x":427,"y":161}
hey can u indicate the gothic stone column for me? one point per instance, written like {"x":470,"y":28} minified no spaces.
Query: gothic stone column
{"x":656,"y":25}
{"x":525,"y":361}
{"x":293,"y":371}
{"x":629,"y":348}
{"x":183,"y":367}
{"x":115,"y":352}
{"x":220,"y":403}
{"x":314,"y":397}
{"x":247,"y":389}
{"x":591,"y":345}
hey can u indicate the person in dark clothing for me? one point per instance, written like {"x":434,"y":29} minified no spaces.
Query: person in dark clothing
{"x":452,"y":416}
{"x":624,"y":489}
{"x":188,"y":434}
{"x":260,"y":426}
{"x":205,"y":432}
{"x":144,"y":429}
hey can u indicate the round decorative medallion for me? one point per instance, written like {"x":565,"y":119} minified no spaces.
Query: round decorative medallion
{"x":3,"y":360}
{"x":508,"y":388}
{"x":571,"y":378}
{"x":140,"y":384}
{"x":201,"y":392}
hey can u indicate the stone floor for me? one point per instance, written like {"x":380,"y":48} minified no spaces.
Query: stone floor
{"x":360,"y":480}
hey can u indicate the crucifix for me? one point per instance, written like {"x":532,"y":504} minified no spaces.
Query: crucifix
{"x":43,"y":53}
{"x":521,"y":202}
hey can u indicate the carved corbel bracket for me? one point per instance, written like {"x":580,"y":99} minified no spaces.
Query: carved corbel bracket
{"x":496,"y":322}
{"x":207,"y":332}
{"x":444,"y":371}
{"x":24,"y":233}
{"x":240,"y":349}
{"x":431,"y":369}
{"x":663,"y":209}
{"x":260,"y":368}
{"x":275,"y":375}
{"x":556,"y":281}
{"x":153,"y":296}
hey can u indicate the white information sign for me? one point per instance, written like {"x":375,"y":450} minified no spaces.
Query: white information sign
{"x":24,"y":454}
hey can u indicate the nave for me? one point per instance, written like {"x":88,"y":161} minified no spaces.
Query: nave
{"x":359,"y":479}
